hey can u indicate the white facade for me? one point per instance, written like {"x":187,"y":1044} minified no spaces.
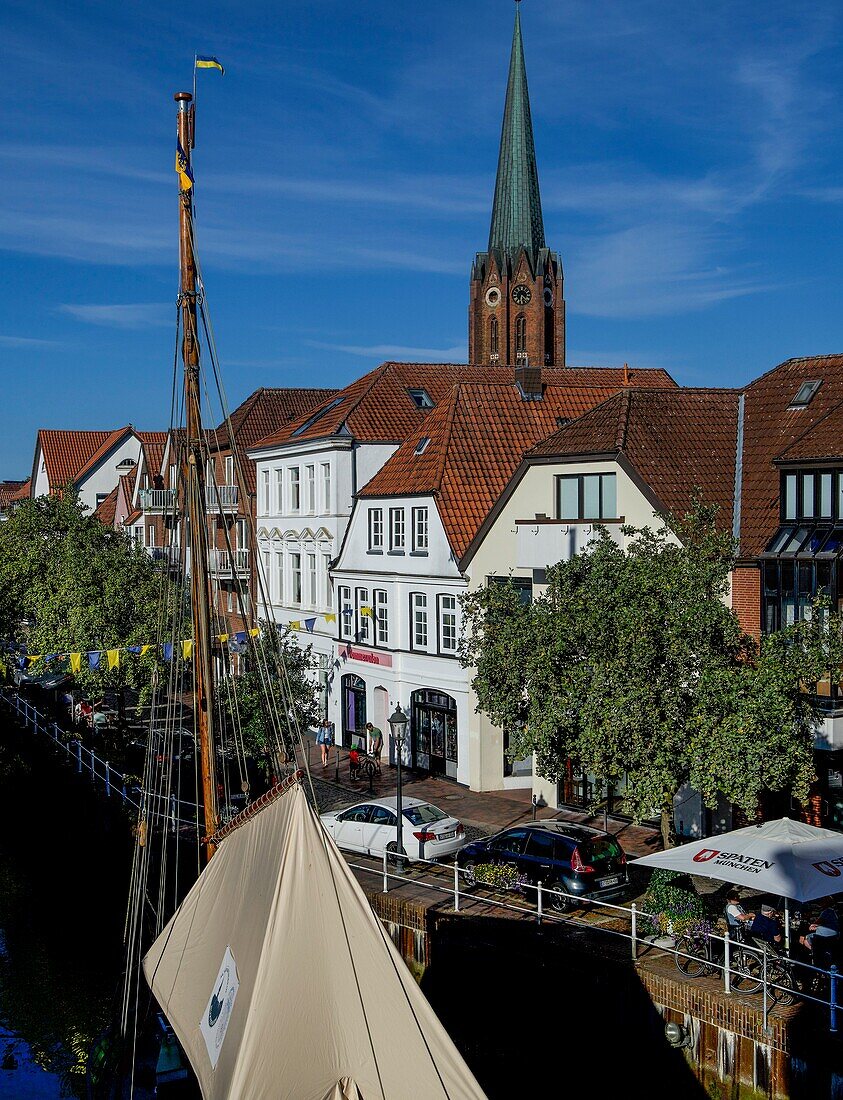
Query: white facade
{"x":397,"y":591}
{"x":97,"y":482}
{"x":305,"y":495}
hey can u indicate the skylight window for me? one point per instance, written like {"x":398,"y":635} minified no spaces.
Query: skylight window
{"x":421,"y":399}
{"x":805,"y":394}
{"x":421,"y":446}
{"x":311,"y":420}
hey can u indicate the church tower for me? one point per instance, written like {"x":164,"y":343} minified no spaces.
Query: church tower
{"x":516,"y":314}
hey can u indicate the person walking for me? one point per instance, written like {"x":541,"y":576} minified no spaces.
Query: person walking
{"x":324,"y":739}
{"x":375,"y":742}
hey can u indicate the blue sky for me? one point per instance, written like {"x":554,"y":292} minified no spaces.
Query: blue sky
{"x":689,"y":160}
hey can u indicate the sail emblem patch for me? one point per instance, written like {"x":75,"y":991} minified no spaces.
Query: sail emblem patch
{"x":214,"y":1022}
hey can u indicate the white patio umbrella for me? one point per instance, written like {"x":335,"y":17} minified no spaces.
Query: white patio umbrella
{"x":785,"y":857}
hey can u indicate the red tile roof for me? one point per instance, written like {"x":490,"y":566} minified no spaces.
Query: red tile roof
{"x":378,"y":407}
{"x":677,"y":441}
{"x":774,"y":432}
{"x":11,"y":491}
{"x":153,"y":450}
{"x":66,"y":453}
{"x":23,"y":492}
{"x":267,"y":411}
{"x":478,"y":435}
{"x":104,"y":511}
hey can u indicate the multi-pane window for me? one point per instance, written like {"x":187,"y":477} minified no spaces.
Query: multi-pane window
{"x":229,"y":469}
{"x":326,"y":487}
{"x":310,"y":489}
{"x":397,"y":537}
{"x":418,"y":620}
{"x":420,"y":531}
{"x":295,"y":578}
{"x":448,"y":624}
{"x":279,"y":574}
{"x":326,"y":580}
{"x":364,"y":619}
{"x":381,"y":614}
{"x":376,"y":528}
{"x":586,"y":496}
{"x":265,"y":491}
{"x":812,"y":494}
{"x":312,"y":591}
{"x":295,"y":489}
{"x":279,"y":490}
{"x":266,"y":567}
{"x":345,"y":612}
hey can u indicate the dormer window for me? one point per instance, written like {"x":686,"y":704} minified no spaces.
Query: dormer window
{"x":126,"y":464}
{"x":805,"y":394}
{"x":421,"y":446}
{"x":421,"y":399}
{"x":311,"y":420}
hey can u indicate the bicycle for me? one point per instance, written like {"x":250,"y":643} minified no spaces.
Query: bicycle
{"x":693,"y":954}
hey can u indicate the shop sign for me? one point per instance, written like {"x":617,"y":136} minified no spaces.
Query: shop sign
{"x":368,"y":657}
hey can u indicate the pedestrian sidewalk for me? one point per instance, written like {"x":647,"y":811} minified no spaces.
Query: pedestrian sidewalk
{"x":486,"y":811}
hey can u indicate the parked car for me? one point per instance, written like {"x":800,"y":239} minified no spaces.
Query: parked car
{"x":372,"y":827}
{"x":587,"y":863}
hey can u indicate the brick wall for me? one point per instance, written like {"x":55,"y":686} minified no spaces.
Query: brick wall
{"x":746,"y":598}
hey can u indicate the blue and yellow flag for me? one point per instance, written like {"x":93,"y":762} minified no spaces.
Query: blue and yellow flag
{"x":183,"y":168}
{"x":209,"y":63}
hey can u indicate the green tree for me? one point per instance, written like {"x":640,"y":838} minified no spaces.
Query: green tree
{"x":631,"y":664}
{"x":275,"y":698}
{"x":70,"y":584}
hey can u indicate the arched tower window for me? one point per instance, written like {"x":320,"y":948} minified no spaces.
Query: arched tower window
{"x":521,"y":336}
{"x":493,"y":336}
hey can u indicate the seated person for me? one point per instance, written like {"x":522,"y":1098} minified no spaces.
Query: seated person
{"x":767,"y":926}
{"x":354,"y":764}
{"x":823,"y":935}
{"x":736,"y":915}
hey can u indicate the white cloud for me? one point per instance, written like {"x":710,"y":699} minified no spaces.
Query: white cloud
{"x":25,"y":342}
{"x":456,"y":354}
{"x":128,"y":315}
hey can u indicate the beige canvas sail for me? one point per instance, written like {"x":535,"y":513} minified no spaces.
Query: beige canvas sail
{"x":276,"y":969}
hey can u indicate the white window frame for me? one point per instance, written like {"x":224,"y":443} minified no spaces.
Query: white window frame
{"x":345,"y":612}
{"x":295,"y":488}
{"x":419,"y":623}
{"x":326,"y":488}
{"x":310,"y":489}
{"x":397,"y":531}
{"x":277,"y":585}
{"x":380,"y":616}
{"x":421,"y":530}
{"x":376,"y":530}
{"x":279,"y":490}
{"x":312,"y":590}
{"x":362,"y":623}
{"x":326,"y":580}
{"x":229,"y":469}
{"x":296,"y":578}
{"x":443,"y":614}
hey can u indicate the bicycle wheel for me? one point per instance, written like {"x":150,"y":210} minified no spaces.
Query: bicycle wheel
{"x":688,"y":959}
{"x":780,"y":975}
{"x":747,"y":971}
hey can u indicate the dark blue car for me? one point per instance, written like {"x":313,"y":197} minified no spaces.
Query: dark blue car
{"x":587,"y":863}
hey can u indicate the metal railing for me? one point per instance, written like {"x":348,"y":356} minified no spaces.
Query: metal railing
{"x":158,"y":500}
{"x":745,"y":968}
{"x":226,"y":561}
{"x":224,"y":497}
{"x":101,"y":773}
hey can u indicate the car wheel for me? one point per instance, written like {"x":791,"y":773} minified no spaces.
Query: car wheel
{"x":468,"y":878}
{"x":557,"y":901}
{"x":395,"y":855}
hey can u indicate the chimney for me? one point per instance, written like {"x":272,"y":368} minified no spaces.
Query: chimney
{"x":626,"y":374}
{"x":529,"y":382}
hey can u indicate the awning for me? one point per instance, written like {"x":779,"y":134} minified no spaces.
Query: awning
{"x":785,"y":857}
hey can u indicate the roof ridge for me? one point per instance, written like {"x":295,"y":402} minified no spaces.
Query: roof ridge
{"x":449,"y":428}
{"x":377,"y":374}
{"x":623,"y":419}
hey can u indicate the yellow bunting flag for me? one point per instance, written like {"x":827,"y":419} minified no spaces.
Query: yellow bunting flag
{"x":330,"y":618}
{"x":187,"y":650}
{"x":367,"y":611}
{"x":34,"y":660}
{"x":255,"y":632}
{"x":295,"y":626}
{"x":75,"y":662}
{"x":113,"y":658}
{"x":145,"y":649}
{"x":222,"y":637}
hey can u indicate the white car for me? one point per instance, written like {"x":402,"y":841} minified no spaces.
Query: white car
{"x":372,"y":827}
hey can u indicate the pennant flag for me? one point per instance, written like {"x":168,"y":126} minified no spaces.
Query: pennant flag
{"x":187,"y":650}
{"x":183,"y":168}
{"x":367,"y":611}
{"x":295,"y":626}
{"x":330,"y":618}
{"x":94,"y":658}
{"x":144,"y":649}
{"x":255,"y":632}
{"x":240,"y":636}
{"x":32,"y":660}
{"x":168,"y":651}
{"x":309,"y":624}
{"x":134,"y":649}
{"x":113,"y":658}
{"x":222,"y":637}
{"x":51,"y":657}
{"x":209,"y":63}
{"x":75,"y":662}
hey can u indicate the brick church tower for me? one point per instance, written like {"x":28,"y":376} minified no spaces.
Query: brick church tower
{"x":516,"y":315}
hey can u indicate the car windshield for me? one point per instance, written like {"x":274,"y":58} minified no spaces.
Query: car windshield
{"x":423,"y":815}
{"x":600,"y":850}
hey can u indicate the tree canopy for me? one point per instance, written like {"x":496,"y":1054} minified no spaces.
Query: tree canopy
{"x":69,"y":584}
{"x":632,"y":664}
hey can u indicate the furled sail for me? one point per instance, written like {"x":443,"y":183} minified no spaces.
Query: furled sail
{"x":282,"y":984}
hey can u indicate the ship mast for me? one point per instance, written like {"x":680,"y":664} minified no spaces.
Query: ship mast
{"x":194,"y":481}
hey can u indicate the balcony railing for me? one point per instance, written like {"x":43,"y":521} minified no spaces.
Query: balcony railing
{"x":158,"y":500}
{"x":220,"y":561}
{"x":222,"y":498}
{"x":170,"y":555}
{"x":544,"y":542}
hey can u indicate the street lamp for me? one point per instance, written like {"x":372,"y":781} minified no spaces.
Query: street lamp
{"x":398,"y":723}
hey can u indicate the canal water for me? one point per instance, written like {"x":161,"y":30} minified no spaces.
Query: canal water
{"x":64,"y":860}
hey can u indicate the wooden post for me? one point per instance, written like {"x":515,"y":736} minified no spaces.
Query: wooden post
{"x":194,"y":480}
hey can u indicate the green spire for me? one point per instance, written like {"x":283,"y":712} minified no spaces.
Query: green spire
{"x":517,"y":211}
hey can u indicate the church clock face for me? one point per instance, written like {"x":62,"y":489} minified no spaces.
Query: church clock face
{"x":521,"y":294}
{"x":493,"y":296}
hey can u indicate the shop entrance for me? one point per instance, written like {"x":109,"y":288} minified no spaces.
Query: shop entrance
{"x":434,"y":731}
{"x":353,"y":710}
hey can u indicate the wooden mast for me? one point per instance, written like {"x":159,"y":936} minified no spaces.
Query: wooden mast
{"x":194,"y":468}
